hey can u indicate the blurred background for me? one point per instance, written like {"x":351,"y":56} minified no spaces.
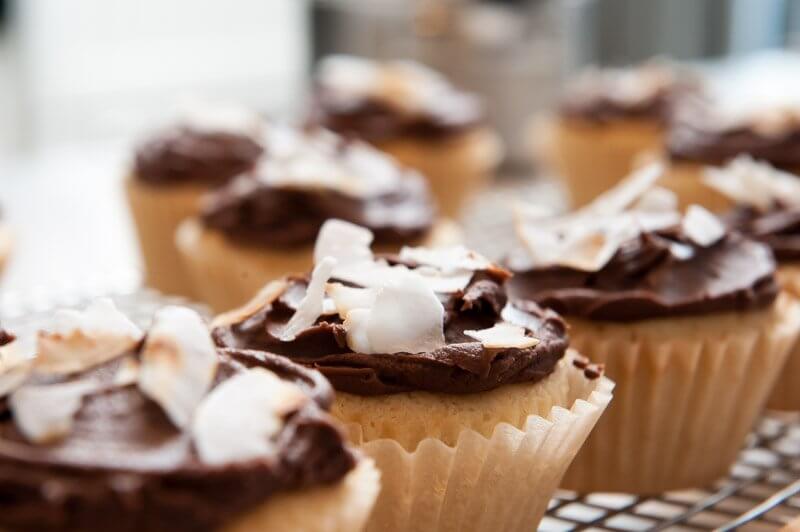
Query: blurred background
{"x":80,"y":81}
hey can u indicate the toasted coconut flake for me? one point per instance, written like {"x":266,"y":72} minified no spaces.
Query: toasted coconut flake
{"x":448,"y":260}
{"x":178,"y":362}
{"x":78,"y":340}
{"x":128,"y":372}
{"x":406,"y":317}
{"x":503,"y":336}
{"x":15,"y":367}
{"x":311,"y":307}
{"x":627,"y":192}
{"x":262,"y":299}
{"x":347,"y":243}
{"x":755,"y":184}
{"x":238,"y":420}
{"x":45,"y":413}
{"x":702,"y":227}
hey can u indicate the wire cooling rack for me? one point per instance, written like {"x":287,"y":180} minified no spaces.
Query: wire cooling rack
{"x":762,"y":492}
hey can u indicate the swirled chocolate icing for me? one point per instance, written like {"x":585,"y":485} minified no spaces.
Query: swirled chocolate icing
{"x":691,"y":140}
{"x":463,"y":365}
{"x":605,"y":96}
{"x":125,"y":467}
{"x":255,"y":212}
{"x":646,"y":280}
{"x":187,"y":155}
{"x":779,"y":228}
{"x":375,"y":121}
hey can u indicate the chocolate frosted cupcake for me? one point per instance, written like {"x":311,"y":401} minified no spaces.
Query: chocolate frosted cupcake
{"x":684,"y":315}
{"x":472,"y":407}
{"x":767,"y":208}
{"x":414,"y":114}
{"x":712,"y":132}
{"x":263,"y":224}
{"x":606,"y":119}
{"x":112,"y":429}
{"x":172,"y":169}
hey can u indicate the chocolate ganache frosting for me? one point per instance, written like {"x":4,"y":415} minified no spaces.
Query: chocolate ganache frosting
{"x":779,"y":228}
{"x":380,"y":102}
{"x":316,"y":176}
{"x":650,"y":93}
{"x":125,"y":466}
{"x":187,"y":155}
{"x":646,"y":279}
{"x":461,"y":365}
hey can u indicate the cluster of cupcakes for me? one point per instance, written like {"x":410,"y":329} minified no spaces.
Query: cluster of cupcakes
{"x":367,"y":371}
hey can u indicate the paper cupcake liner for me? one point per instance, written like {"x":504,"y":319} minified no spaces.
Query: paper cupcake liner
{"x":456,"y":169}
{"x":786,"y":392}
{"x":591,"y":159}
{"x":686,"y":181}
{"x":500,"y":482}
{"x":157,"y":211}
{"x":343,"y":507}
{"x":225,"y":275}
{"x":688,"y":392}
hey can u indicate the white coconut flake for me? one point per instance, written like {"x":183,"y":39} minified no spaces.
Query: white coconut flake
{"x":753,"y":183}
{"x":657,"y":200}
{"x":217,"y":117}
{"x":346,"y":298}
{"x":15,"y":366}
{"x":627,"y":192}
{"x":78,"y":340}
{"x":346,"y":242}
{"x":238,"y":420}
{"x":449,"y":260}
{"x":444,"y":283}
{"x":178,"y":362}
{"x":702,"y":227}
{"x":406,"y":317}
{"x":45,"y":413}
{"x":503,"y":336}
{"x":311,"y":307}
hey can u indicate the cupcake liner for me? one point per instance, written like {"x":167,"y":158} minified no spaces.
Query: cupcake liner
{"x":686,"y":181}
{"x":157,"y":211}
{"x":456,"y":169}
{"x":591,"y":158}
{"x":343,"y":507}
{"x":500,"y":482}
{"x":688,"y":392}
{"x":786,"y":392}
{"x":225,"y":275}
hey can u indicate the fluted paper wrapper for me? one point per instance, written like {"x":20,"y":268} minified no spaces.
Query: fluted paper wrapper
{"x":157,"y":211}
{"x":498,"y":483}
{"x":786,"y":393}
{"x":456,"y":168}
{"x":343,"y":507}
{"x":225,"y":275}
{"x":591,"y":158}
{"x":688,"y":392}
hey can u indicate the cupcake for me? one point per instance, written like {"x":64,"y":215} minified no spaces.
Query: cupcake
{"x":5,"y":244}
{"x":607,"y":118}
{"x":415,"y":115}
{"x":109,"y":428}
{"x":714,"y":131}
{"x":767,"y":208}
{"x":171,"y":171}
{"x":684,"y":315}
{"x":262,"y":225}
{"x":471,"y":407}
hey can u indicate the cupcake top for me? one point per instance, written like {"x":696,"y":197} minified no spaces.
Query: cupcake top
{"x":436,"y":320}
{"x":111,"y":428}
{"x":762,"y":124}
{"x":606,"y":95}
{"x":207,"y":146}
{"x":306,"y":178}
{"x":630,"y":255}
{"x":766,"y":203}
{"x":379,"y":101}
